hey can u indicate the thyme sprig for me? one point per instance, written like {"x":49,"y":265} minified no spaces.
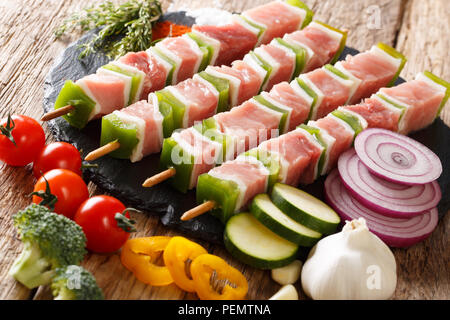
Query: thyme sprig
{"x":123,"y":28}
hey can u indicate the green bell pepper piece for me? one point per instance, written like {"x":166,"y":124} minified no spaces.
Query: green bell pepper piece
{"x":316,"y":133}
{"x":394,"y":53}
{"x":113,"y":128}
{"x":183,"y":165}
{"x":341,"y":44}
{"x":136,"y":80}
{"x":337,"y":72}
{"x":401,"y":107}
{"x":300,"y":56}
{"x":301,"y":5}
{"x":207,"y":50}
{"x":224,"y":193}
{"x":223,"y":86}
{"x":255,"y":25}
{"x":441,"y":82}
{"x":166,"y":110}
{"x":352,"y":120}
{"x":283,"y":121}
{"x":178,"y":107}
{"x":270,"y":161}
{"x":170,"y":61}
{"x":72,"y":94}
{"x":264,"y":64}
{"x":311,"y":93}
{"x":208,"y":128}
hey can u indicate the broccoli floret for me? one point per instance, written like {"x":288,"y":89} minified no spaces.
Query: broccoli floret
{"x":50,"y":241}
{"x":75,"y":283}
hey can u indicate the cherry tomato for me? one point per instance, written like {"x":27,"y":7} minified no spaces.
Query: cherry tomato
{"x":104,"y":220}
{"x":68,"y":187}
{"x":57,"y":155}
{"x":21,"y":139}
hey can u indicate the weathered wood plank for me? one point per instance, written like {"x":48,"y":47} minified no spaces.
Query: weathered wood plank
{"x":424,"y":39}
{"x":368,"y":21}
{"x":28,"y":51}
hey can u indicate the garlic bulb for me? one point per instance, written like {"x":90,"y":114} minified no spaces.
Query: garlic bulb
{"x":352,"y":264}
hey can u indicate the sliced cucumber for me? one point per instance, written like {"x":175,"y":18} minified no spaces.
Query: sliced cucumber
{"x":273,"y":218}
{"x":252,"y":243}
{"x":305,"y":209}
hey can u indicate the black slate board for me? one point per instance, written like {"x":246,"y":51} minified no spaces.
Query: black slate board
{"x":123,"y":179}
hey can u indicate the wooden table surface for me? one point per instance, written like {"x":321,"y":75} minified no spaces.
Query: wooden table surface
{"x":418,"y":28}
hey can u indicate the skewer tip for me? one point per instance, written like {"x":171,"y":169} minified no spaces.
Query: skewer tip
{"x":57,"y":113}
{"x":160,"y":177}
{"x":103,"y":151}
{"x":198,"y":210}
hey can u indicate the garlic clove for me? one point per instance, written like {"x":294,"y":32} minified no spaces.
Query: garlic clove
{"x":287,"y":292}
{"x":288,"y":274}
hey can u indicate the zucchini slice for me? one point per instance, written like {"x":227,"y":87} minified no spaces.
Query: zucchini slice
{"x":273,"y":218}
{"x":305,"y":209}
{"x":252,"y":243}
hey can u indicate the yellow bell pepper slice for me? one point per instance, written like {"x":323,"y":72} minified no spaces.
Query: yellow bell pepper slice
{"x":139,"y":256}
{"x":178,"y":255}
{"x":208,"y":269}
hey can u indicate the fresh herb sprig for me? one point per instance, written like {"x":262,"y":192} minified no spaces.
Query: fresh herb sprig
{"x":124,"y":28}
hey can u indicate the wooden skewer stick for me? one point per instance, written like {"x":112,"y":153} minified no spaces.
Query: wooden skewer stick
{"x":198,"y":210}
{"x":160,"y":177}
{"x":57,"y":113}
{"x":103,"y":151}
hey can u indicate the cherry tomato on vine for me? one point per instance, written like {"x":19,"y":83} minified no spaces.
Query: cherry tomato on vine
{"x":69,"y":189}
{"x":105,"y":222}
{"x":21,"y":139}
{"x":57,"y":155}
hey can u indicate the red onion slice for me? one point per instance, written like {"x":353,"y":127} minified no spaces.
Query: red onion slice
{"x":395,"y":232}
{"x":397,"y":158}
{"x":385,"y":197}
